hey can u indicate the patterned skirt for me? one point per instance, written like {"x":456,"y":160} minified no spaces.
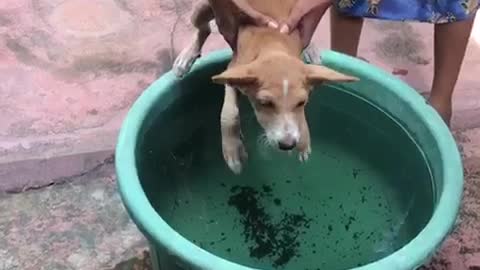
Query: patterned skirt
{"x":431,"y":11}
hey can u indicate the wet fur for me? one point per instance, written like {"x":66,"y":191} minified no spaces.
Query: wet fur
{"x":267,"y":68}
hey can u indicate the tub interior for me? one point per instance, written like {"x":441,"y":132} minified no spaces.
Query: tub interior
{"x":365,"y":192}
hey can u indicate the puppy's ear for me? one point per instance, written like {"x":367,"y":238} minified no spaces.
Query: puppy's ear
{"x":239,"y":76}
{"x":318,"y":74}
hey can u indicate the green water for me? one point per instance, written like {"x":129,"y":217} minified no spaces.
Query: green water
{"x":364,"y":193}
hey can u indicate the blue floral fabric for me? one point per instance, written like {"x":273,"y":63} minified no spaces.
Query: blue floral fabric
{"x":432,"y":11}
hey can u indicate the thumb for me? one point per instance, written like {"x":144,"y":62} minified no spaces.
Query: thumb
{"x":295,"y":16}
{"x":300,"y":10}
{"x":263,"y":20}
{"x":252,"y":14}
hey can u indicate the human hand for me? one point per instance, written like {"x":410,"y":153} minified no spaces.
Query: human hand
{"x":305,"y":17}
{"x":253,"y":15}
{"x":243,"y":13}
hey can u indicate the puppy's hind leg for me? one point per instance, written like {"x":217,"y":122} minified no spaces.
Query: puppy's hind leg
{"x":234,"y":151}
{"x":311,"y":54}
{"x":201,"y":17}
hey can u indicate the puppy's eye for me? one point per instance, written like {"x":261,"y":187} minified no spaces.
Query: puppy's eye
{"x":267,"y":104}
{"x":300,"y":104}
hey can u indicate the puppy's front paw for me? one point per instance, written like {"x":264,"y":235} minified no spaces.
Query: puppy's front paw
{"x":235,"y":154}
{"x":304,"y":155}
{"x":311,"y":54}
{"x":185,"y":60}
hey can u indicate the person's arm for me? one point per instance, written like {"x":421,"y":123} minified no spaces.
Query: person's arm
{"x":305,"y":17}
{"x":245,"y":14}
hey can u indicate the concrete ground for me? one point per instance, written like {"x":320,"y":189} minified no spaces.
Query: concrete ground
{"x":70,"y":69}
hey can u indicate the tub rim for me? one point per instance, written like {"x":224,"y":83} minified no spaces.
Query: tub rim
{"x":410,"y":256}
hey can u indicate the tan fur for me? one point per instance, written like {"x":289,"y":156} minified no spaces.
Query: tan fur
{"x":267,"y":68}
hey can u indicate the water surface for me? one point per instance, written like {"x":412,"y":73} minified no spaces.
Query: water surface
{"x":364,"y":193}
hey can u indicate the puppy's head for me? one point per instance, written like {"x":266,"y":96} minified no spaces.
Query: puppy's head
{"x":278,"y":87}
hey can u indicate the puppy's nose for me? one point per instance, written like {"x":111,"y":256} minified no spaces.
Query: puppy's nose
{"x":287,"y":144}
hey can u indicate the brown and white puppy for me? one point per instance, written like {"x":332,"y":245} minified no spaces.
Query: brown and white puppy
{"x":268,"y":69}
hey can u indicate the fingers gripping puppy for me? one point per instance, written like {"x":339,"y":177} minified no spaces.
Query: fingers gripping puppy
{"x":267,"y":68}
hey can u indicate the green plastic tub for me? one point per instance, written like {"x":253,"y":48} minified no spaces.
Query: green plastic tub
{"x":381,"y":190}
